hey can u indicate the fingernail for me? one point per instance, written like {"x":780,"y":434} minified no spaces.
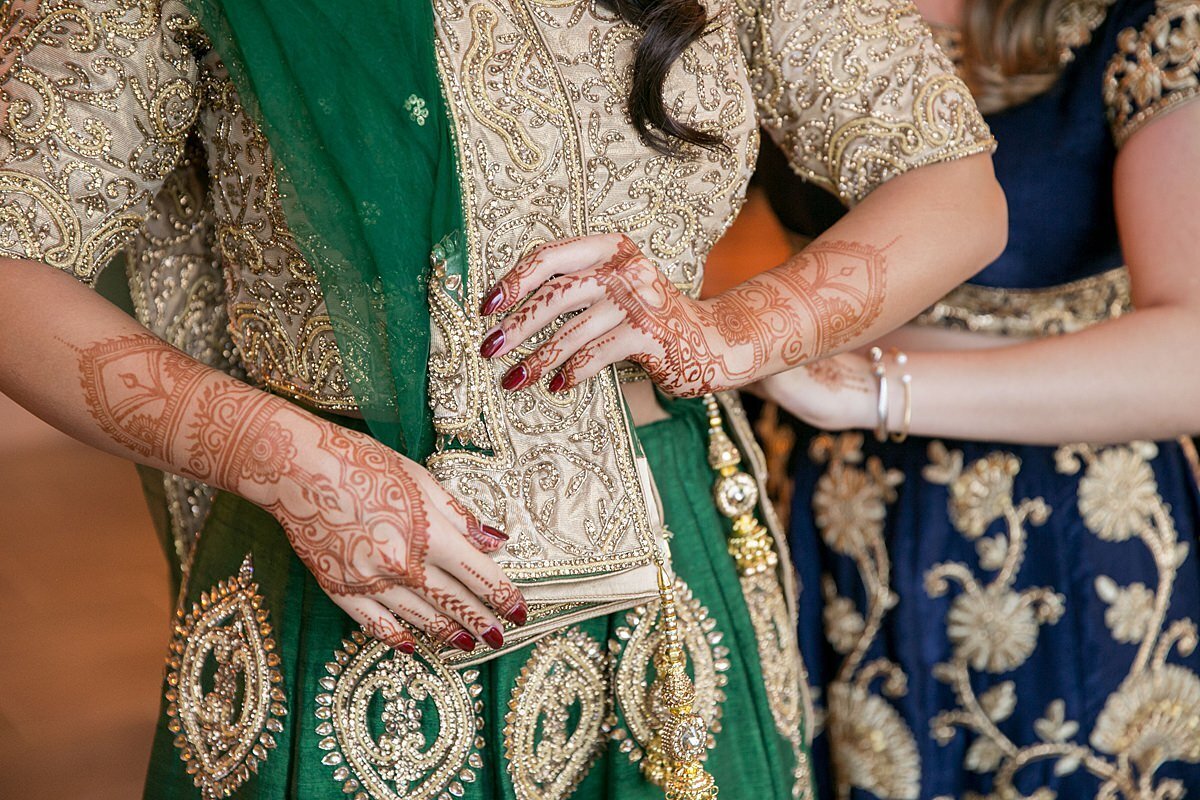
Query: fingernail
{"x":495,"y":533}
{"x":557,"y":383}
{"x":493,"y":342}
{"x":515,"y":378}
{"x":464,"y":641}
{"x":408,"y":648}
{"x":494,"y":638}
{"x":491,"y":302}
{"x":518,"y":614}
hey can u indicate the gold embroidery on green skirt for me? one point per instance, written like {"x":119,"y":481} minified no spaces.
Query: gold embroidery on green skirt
{"x":397,"y":727}
{"x":566,"y":678}
{"x":753,"y":550}
{"x":224,"y":732}
{"x":634,"y":646}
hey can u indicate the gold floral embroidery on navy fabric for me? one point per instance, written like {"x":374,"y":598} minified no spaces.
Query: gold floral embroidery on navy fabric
{"x":559,"y":716}
{"x":398,"y":727}
{"x":873,"y":748}
{"x":634,"y":645}
{"x":224,"y":701}
{"x":1156,"y":67}
{"x":1154,"y":715}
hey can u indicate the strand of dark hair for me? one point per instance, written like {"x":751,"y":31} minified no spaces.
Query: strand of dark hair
{"x":669,"y":27}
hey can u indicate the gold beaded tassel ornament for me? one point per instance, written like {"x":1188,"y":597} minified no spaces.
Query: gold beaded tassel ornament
{"x":736,"y":496}
{"x":682,"y":740}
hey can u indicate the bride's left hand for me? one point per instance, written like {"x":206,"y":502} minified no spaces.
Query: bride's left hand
{"x":630,"y":311}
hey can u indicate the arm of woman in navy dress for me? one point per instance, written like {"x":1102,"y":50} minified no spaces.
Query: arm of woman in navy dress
{"x":1134,"y":377}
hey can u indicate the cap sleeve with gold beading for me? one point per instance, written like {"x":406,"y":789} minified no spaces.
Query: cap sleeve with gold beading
{"x":855,"y":91}
{"x":96,"y":102}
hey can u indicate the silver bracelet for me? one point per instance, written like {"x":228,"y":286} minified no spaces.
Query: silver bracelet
{"x":879,"y":372}
{"x":906,"y":383}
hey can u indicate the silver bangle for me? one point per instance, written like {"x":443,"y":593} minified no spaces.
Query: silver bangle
{"x":879,"y":372}
{"x":906,"y":383}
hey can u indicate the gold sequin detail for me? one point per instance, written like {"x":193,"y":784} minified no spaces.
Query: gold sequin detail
{"x":1156,"y":67}
{"x":565,"y":679}
{"x":224,"y":700}
{"x":856,"y":92}
{"x":1066,"y":308}
{"x":634,"y":645}
{"x":398,"y":727}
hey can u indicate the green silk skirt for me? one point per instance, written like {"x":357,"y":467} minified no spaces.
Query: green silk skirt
{"x":272,"y":692}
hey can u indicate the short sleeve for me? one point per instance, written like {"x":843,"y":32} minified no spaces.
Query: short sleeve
{"x":1156,"y":67}
{"x":855,"y":91}
{"x":97,"y":99}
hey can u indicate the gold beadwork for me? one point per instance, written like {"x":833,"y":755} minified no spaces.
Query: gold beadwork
{"x":736,"y":495}
{"x":224,"y":733}
{"x":674,"y":757}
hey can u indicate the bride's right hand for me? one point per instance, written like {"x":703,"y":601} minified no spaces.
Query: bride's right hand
{"x":382,"y":538}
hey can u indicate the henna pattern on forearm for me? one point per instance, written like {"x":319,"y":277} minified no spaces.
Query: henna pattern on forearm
{"x":361,"y":528}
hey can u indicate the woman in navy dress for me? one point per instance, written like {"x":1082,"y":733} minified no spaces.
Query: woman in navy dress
{"x":991,"y":608}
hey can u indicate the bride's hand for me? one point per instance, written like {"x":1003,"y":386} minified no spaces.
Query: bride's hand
{"x":835,"y":393}
{"x":382,"y":538}
{"x":630,"y":311}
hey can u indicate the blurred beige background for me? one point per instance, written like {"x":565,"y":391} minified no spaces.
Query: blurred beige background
{"x":84,"y":611}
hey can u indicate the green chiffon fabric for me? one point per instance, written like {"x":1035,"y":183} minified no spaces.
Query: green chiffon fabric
{"x":349,"y":97}
{"x":750,"y":759}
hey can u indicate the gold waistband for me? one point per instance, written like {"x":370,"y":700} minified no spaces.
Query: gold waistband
{"x":1058,"y":309}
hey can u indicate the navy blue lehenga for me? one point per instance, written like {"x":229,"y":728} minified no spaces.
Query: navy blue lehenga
{"x":990,"y":619}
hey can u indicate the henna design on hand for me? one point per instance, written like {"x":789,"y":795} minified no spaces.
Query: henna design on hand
{"x":836,"y":377}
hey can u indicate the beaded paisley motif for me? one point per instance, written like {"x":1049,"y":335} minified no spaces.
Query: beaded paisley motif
{"x":224,"y":700}
{"x":634,"y":645}
{"x":397,"y":727}
{"x":559,"y":716}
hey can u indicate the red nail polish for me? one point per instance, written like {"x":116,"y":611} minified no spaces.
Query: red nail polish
{"x":463,"y":641}
{"x":494,"y":638}
{"x":491,"y":302}
{"x":519,"y":614}
{"x":408,"y":648}
{"x":493,"y":342}
{"x":495,"y":533}
{"x":557,"y":383}
{"x":515,"y":378}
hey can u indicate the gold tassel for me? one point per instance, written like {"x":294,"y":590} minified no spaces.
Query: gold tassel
{"x":736,"y":496}
{"x":673,"y":757}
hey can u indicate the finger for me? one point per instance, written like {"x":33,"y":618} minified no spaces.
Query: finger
{"x":558,"y":296}
{"x":593,"y":357}
{"x":439,"y":627}
{"x":448,"y":596}
{"x":556,"y":258}
{"x":487,"y":580}
{"x":486,"y":538}
{"x":378,"y":623}
{"x":574,"y":335}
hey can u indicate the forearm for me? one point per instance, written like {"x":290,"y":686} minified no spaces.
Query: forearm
{"x":907,"y":244}
{"x":1126,"y":379}
{"x":79,"y":363}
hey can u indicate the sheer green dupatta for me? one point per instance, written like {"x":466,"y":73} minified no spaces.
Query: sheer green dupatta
{"x":348,"y":96}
